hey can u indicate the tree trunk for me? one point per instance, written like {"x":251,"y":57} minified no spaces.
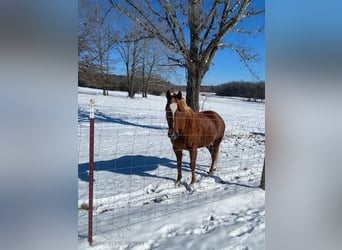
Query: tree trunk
{"x":128,"y":78}
{"x":144,"y":88}
{"x":103,"y":84}
{"x":131,"y":88}
{"x":133,"y":70}
{"x":193,"y":87}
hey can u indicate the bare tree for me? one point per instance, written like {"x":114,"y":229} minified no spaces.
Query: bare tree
{"x":84,"y":61}
{"x":95,"y":41}
{"x":142,"y":57}
{"x":128,"y":53}
{"x":153,"y":63}
{"x":130,"y":46}
{"x":193,"y":30}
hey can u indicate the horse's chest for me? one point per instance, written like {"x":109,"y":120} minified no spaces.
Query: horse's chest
{"x":182,"y":143}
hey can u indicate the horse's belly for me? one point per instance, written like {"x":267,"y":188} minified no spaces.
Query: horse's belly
{"x":195,"y":141}
{"x":205,"y":141}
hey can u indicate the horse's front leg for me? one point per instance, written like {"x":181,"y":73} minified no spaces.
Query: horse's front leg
{"x":179,"y":155}
{"x":193,"y":156}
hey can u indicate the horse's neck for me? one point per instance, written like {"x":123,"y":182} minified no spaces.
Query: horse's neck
{"x":188,"y":109}
{"x":189,"y":112}
{"x":190,"y":116}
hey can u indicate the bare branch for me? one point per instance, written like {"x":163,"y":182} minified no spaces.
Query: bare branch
{"x":173,"y":23}
{"x":244,"y":31}
{"x":224,"y":27}
{"x":255,"y":12}
{"x":150,"y":7}
{"x":245,"y":55}
{"x":227,"y":11}
{"x":149,"y":26}
{"x":169,"y":65}
{"x":211,"y":15}
{"x":134,"y":39}
{"x":179,"y":62}
{"x":210,"y":27}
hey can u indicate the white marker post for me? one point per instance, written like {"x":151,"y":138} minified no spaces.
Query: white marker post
{"x":91,"y":171}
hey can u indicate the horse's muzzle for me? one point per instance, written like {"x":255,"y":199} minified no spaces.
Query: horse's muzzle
{"x":173,"y":135}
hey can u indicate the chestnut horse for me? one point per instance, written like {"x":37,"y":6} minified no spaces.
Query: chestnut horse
{"x":190,"y":130}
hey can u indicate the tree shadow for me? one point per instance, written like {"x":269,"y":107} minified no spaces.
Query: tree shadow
{"x":101,"y":117}
{"x":83,"y":115}
{"x":219,"y":180}
{"x":128,"y":165}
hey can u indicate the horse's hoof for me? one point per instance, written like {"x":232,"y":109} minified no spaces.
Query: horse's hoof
{"x":177,"y":183}
{"x":210,"y":172}
{"x":192,"y":186}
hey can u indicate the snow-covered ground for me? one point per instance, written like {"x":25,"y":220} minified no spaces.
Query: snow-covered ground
{"x":136,"y":204}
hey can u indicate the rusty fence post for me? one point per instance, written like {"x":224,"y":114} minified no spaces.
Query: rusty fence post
{"x":91,"y":172}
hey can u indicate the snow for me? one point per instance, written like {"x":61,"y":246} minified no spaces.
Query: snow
{"x":136,"y":202}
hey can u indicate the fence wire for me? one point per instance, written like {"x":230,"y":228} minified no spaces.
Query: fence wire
{"x":135,"y":167}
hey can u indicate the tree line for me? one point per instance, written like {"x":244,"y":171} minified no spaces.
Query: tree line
{"x":156,"y":86}
{"x":251,"y":91}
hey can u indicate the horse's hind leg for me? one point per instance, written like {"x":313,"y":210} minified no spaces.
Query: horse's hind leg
{"x":210,"y":148}
{"x":214,"y":151}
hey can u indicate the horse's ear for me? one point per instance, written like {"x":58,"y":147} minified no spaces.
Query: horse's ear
{"x":168,"y":94}
{"x":179,"y":95}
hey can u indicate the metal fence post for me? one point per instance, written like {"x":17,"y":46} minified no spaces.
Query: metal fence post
{"x":262,"y":183}
{"x":91,"y":172}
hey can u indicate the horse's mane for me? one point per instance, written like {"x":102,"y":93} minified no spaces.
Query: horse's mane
{"x":184,"y":107}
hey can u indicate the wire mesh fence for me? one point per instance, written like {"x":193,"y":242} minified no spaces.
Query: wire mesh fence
{"x":135,"y":167}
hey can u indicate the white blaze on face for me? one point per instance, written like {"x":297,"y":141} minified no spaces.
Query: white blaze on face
{"x":173,"y":107}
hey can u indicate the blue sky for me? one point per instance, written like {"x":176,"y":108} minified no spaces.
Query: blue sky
{"x":227,"y":65}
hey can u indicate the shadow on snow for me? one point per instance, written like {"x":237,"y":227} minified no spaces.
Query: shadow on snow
{"x":220,"y":181}
{"x":136,"y":165}
{"x":141,"y":166}
{"x":129,"y":165}
{"x":83,"y":116}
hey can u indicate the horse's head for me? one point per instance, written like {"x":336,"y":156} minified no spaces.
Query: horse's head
{"x":176,"y":109}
